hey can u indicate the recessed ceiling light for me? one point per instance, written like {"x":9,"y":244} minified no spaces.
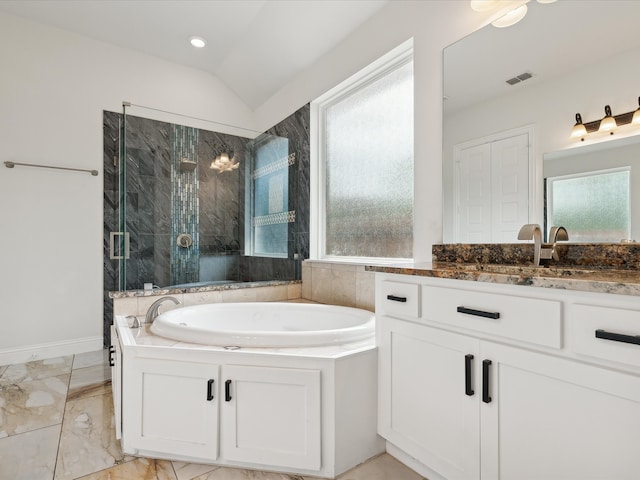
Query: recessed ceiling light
{"x":197,"y":42}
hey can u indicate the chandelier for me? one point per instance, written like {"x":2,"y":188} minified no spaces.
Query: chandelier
{"x":223,"y":163}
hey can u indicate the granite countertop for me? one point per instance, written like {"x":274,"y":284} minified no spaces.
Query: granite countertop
{"x":214,"y":286}
{"x":588,"y":279}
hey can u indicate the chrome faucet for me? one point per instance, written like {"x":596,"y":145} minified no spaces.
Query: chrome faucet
{"x":557,"y":234}
{"x":548,"y":250}
{"x":152,"y":313}
{"x":532,"y":231}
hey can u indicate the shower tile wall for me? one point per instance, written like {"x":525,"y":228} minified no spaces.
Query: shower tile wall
{"x":185,"y":258}
{"x":296,"y":129}
{"x":219,"y":202}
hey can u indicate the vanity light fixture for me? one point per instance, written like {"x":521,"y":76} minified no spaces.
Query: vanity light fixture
{"x":197,"y":42}
{"x":607,"y":123}
{"x":223,"y":163}
{"x":578,"y":130}
{"x":636,"y":114}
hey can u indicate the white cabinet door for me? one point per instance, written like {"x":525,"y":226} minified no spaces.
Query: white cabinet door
{"x":552,"y":418}
{"x":178,"y":411}
{"x":115,"y":360}
{"x":427,"y":407}
{"x":271,"y":416}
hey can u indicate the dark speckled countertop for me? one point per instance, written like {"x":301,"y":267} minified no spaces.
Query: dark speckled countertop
{"x":604,"y":268}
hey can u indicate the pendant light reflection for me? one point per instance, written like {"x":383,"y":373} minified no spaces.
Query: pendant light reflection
{"x":607,"y":123}
{"x":511,"y":18}
{"x":483,"y":5}
{"x":223,"y":163}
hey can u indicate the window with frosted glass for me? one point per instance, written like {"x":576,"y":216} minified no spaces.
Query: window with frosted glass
{"x":270,"y":197}
{"x":593,"y":207}
{"x":368,"y":147}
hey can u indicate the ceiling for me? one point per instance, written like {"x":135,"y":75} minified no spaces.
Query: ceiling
{"x":551,"y":41}
{"x":254,"y":46}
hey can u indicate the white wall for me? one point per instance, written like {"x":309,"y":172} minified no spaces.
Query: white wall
{"x":53,"y":88}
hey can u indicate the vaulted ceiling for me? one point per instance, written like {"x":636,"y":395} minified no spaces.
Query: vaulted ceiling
{"x":254,"y":46}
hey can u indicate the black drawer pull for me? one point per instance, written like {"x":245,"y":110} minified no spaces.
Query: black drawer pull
{"x":210,"y":385}
{"x":618,"y":337}
{"x":479,"y":313}
{"x":227,"y":391}
{"x":486,"y":398}
{"x":395,"y":298}
{"x":467,"y":375}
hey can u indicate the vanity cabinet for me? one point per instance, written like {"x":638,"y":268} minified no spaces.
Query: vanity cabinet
{"x":503,"y":387}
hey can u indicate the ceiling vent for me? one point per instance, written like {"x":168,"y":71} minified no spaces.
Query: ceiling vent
{"x":520,"y":78}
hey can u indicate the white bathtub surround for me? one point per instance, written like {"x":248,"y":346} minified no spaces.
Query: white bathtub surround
{"x":338,"y":284}
{"x":302,"y":410}
{"x":266,"y":324}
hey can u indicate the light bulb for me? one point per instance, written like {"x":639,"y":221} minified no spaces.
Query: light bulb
{"x":197,"y":42}
{"x":607,"y":123}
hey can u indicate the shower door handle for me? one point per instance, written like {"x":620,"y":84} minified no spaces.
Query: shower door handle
{"x":112,"y":246}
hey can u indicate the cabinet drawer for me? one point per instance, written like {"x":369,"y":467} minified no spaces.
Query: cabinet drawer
{"x":400,"y":299}
{"x":618,"y":323}
{"x":531,"y":320}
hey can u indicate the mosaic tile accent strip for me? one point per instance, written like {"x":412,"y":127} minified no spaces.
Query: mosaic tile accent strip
{"x":275,"y":166}
{"x":185,"y":204}
{"x":275,"y":219}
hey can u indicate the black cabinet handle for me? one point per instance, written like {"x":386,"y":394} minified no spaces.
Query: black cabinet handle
{"x":210,"y":385}
{"x":112,"y":362}
{"x":395,"y":298}
{"x":227,"y":391}
{"x":479,"y":313}
{"x":467,"y":375}
{"x":618,"y":337}
{"x":486,"y":398}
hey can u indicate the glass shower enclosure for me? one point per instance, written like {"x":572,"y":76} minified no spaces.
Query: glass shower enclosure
{"x":194,"y":207}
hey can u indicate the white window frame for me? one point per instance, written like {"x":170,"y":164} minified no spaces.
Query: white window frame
{"x":389,"y":62}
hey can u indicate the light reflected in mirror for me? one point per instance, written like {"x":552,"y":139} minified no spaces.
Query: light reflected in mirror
{"x":491,"y":183}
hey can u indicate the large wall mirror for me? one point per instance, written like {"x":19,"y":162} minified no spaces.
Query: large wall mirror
{"x":506,"y":136}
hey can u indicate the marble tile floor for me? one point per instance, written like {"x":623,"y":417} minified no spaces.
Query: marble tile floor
{"x":56,"y":423}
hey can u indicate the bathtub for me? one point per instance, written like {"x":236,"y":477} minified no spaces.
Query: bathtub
{"x":266,"y":324}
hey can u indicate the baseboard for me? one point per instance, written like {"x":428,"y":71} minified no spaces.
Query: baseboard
{"x":29,"y":353}
{"x":412,"y":463}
